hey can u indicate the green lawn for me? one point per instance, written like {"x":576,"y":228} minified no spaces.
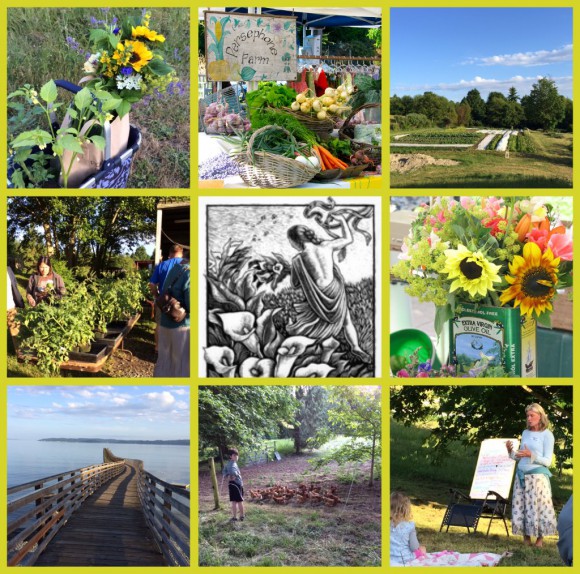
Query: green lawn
{"x":549,"y":166}
{"x":428,"y":487}
{"x":38,"y":51}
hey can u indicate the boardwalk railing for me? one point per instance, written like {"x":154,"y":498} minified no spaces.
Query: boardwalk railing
{"x":37,"y":510}
{"x":166,"y":508}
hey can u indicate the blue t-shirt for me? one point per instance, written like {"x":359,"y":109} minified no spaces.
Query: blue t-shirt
{"x":160,"y":272}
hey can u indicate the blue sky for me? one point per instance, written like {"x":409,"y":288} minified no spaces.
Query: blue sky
{"x":452,"y":50}
{"x":143,"y":413}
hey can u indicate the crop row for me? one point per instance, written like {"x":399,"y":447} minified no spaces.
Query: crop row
{"x":522,"y":143}
{"x":442,"y":138}
{"x":493,"y":143}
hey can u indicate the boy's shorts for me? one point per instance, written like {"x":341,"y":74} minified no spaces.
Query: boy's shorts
{"x":236,"y":492}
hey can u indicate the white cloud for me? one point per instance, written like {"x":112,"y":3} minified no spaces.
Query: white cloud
{"x":486,"y":85}
{"x":538,"y":58}
{"x":85,"y":393}
{"x":119,"y":401}
{"x":163,"y":400}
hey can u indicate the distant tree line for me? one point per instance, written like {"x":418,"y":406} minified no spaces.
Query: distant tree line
{"x":543,"y":108}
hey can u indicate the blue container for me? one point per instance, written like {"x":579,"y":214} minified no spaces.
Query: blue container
{"x":115,"y":170}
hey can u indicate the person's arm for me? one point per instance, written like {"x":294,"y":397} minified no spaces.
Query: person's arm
{"x":154,"y":286}
{"x":342,"y":242}
{"x":186,"y":284}
{"x":545,"y":457}
{"x":413,"y":541}
{"x":154,"y":289}
{"x":60,"y":289}
{"x":30,"y":291}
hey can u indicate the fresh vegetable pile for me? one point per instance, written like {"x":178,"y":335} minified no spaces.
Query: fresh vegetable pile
{"x":333,"y":103}
{"x":218,"y":120}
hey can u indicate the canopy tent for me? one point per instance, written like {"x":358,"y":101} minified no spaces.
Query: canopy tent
{"x":319,"y":17}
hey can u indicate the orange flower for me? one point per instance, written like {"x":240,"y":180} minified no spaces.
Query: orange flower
{"x":524,"y":226}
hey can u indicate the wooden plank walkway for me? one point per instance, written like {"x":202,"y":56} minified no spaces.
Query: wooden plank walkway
{"x":109,"y":529}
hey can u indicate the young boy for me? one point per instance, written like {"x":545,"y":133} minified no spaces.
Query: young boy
{"x":236,"y":485}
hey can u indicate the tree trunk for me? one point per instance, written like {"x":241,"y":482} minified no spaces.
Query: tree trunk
{"x":372,"y":459}
{"x":297,"y":439}
{"x":214,"y":483}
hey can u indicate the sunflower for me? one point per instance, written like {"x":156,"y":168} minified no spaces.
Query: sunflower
{"x":133,"y":53}
{"x":535,"y":276}
{"x":144,"y":32}
{"x":471,"y":271}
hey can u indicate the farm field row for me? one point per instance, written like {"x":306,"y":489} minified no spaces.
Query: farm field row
{"x":535,"y":160}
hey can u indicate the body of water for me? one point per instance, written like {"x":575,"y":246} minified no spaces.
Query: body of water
{"x":31,"y":459}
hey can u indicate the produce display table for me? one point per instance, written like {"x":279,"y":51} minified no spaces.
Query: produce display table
{"x":210,"y":147}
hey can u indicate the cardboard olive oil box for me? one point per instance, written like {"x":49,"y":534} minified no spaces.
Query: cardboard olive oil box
{"x":483,"y":337}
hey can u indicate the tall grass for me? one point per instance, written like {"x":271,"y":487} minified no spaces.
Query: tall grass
{"x":38,"y":51}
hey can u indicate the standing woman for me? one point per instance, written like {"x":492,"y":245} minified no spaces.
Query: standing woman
{"x":173,"y":340}
{"x":532,"y":509}
{"x":41,"y":283}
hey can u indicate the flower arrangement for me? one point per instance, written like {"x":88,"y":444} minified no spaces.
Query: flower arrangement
{"x":126,"y":60}
{"x":491,"y":251}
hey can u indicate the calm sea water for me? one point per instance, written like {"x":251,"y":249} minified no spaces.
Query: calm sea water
{"x":29,"y":460}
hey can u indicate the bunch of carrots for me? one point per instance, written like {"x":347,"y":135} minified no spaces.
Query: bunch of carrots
{"x":327,"y":160}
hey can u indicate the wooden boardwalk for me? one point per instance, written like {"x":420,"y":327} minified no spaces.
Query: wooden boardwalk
{"x":108,"y":530}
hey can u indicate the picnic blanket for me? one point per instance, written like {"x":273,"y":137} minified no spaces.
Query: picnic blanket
{"x":449,"y":558}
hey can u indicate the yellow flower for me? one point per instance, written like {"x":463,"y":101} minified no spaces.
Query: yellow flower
{"x":133,"y":53}
{"x":471,"y":271}
{"x":151,"y":35}
{"x":535,"y":276}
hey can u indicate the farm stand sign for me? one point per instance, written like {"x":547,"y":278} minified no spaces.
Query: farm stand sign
{"x":249,"y":47}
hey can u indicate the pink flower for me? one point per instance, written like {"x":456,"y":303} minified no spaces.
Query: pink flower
{"x":466,"y":202}
{"x":561,"y":246}
{"x":422,"y":375}
{"x":441,"y":217}
{"x":539,"y":237}
{"x":491,"y":205}
{"x":403,"y":373}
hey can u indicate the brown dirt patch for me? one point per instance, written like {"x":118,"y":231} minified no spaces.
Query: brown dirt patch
{"x":362,"y":504}
{"x":402,"y":163}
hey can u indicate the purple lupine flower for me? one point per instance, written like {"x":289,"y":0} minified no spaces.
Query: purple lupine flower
{"x":176,"y":55}
{"x":115,"y":31}
{"x":126,"y":71}
{"x":114,"y":20}
{"x":104,"y":10}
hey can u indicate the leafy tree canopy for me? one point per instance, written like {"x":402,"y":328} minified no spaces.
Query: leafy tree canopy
{"x":470,"y":414}
{"x":83,"y":230}
{"x":242,"y":416}
{"x":354,"y":412}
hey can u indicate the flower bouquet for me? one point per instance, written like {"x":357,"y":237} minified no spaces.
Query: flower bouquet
{"x":480,"y":253}
{"x":95,"y":134}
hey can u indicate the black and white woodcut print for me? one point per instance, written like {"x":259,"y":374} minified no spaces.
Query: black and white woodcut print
{"x":289,"y":287}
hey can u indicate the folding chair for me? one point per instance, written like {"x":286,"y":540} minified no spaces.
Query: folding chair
{"x":490,"y":490}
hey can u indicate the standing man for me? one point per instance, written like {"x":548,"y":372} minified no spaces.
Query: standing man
{"x":158,"y":278}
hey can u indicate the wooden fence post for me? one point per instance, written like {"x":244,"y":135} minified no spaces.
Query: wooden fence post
{"x":214,"y":482}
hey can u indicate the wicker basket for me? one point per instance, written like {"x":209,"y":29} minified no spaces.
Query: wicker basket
{"x":346,"y":132}
{"x":269,"y":170}
{"x":322,"y":128}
